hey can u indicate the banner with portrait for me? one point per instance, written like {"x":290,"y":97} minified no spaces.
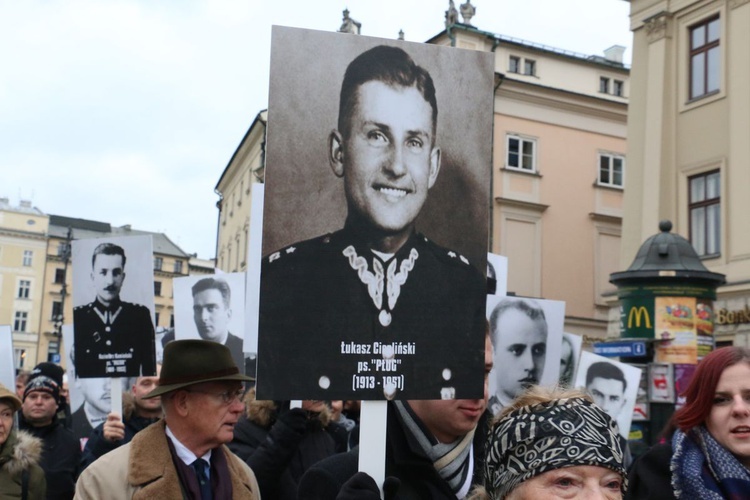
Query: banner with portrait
{"x":613,"y":385}
{"x":527,"y":336}
{"x":375,"y":219}
{"x":212,"y":307}
{"x":113,"y":299}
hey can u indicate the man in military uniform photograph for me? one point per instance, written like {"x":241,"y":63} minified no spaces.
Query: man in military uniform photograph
{"x":113,"y":338}
{"x":375,"y":310}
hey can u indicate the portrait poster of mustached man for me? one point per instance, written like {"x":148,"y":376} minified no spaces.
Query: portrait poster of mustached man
{"x":113,"y":299}
{"x":375,"y":219}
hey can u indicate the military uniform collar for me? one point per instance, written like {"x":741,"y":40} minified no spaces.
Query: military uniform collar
{"x":113,"y":306}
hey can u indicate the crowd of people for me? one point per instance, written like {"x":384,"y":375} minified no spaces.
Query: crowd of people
{"x":195,"y":432}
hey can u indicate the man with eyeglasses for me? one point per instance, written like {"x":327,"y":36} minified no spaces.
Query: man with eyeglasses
{"x":183,"y":455}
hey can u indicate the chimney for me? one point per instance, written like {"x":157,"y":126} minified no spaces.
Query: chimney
{"x":4,"y":200}
{"x":25,"y":203}
{"x":614,"y":54}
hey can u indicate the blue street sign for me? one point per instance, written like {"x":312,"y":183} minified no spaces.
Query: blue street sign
{"x":622,"y":349}
{"x":53,"y":358}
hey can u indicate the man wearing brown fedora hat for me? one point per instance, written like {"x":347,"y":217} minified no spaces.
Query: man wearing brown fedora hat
{"x":183,"y":455}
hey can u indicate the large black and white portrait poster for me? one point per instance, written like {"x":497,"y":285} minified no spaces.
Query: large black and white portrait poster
{"x":113,"y":299}
{"x":7,"y":372}
{"x":570,"y":353}
{"x":212,"y":307}
{"x":526,"y":338}
{"x":613,"y":385}
{"x":90,"y":398}
{"x":375,"y":219}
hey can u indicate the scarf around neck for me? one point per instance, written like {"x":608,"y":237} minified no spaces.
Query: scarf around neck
{"x":703,"y":468}
{"x":451,"y":460}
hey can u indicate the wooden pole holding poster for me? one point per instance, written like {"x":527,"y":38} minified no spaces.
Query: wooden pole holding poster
{"x":372,"y":435}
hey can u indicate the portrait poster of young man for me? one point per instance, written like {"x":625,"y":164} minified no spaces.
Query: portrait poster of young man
{"x":526,"y":337}
{"x":212,"y":307}
{"x":113,"y":299}
{"x":375,"y":219}
{"x":613,"y":385}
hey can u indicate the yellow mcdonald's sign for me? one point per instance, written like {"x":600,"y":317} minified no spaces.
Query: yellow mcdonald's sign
{"x":637,"y":312}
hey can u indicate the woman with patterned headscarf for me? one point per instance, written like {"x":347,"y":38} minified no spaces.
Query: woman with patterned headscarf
{"x":552,"y":443}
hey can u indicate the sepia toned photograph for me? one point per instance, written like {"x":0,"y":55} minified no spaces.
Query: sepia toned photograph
{"x":375,"y":219}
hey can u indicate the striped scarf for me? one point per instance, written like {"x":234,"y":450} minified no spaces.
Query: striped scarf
{"x":453,"y":461}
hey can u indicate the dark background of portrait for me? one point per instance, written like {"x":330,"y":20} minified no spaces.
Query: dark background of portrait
{"x":304,"y":199}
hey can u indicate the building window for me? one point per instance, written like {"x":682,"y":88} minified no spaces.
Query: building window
{"x":62,"y":249}
{"x":521,"y":153}
{"x":178,"y":267}
{"x":19,"y":323}
{"x":514,"y":64}
{"x":705,"y":213}
{"x":611,"y":170}
{"x":19,"y":356}
{"x":617,"y":88}
{"x":157,"y":288}
{"x":158,"y":262}
{"x":704,"y":58}
{"x":24,"y":287}
{"x":529,"y":67}
{"x":56,"y":311}
{"x":59,"y":276}
{"x":604,"y":84}
{"x":156,"y":319}
{"x":27,"y":257}
{"x":171,"y":321}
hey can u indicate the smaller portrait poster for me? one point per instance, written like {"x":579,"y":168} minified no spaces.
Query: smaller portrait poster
{"x":613,"y":385}
{"x":211,"y":307}
{"x":497,"y":274}
{"x":7,"y":373}
{"x":90,"y":398}
{"x":113,"y":299}
{"x":527,"y":341}
{"x":660,"y":383}
{"x":570,"y":351}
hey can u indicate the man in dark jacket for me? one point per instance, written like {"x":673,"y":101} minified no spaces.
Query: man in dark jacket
{"x":138,"y":414}
{"x":421,"y":435}
{"x":61,"y":453}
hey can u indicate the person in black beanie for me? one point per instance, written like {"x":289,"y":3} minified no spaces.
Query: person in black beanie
{"x":61,"y":453}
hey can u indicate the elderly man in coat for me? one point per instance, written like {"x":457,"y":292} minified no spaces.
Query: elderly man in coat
{"x":183,"y":455}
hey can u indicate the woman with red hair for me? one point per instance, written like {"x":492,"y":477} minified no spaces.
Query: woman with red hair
{"x":709,"y":454}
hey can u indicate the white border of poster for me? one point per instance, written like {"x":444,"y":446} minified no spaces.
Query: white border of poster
{"x":7,"y":370}
{"x":497,"y":265}
{"x":632,"y":377}
{"x":254,"y":257}
{"x":554,"y":315}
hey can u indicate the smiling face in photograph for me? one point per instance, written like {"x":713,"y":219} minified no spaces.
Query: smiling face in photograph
{"x":387,"y":158}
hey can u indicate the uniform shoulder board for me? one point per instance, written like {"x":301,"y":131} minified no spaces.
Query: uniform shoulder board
{"x":298,"y":248}
{"x":445,"y":254}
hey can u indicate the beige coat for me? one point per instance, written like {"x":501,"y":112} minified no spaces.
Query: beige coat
{"x":143,"y":469}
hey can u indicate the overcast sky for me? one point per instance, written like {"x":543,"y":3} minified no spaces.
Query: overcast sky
{"x":128,"y":111}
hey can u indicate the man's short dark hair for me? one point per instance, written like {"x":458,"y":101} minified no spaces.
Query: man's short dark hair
{"x":389,"y":65}
{"x":214,"y":284}
{"x":108,"y":249}
{"x":530,"y":309}
{"x":602,"y":369}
